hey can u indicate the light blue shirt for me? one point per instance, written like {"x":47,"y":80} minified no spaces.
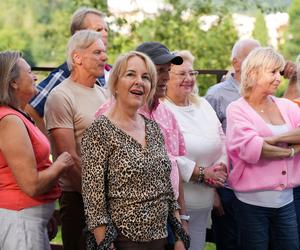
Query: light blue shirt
{"x":221,"y":95}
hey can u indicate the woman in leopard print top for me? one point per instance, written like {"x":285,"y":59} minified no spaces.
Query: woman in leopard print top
{"x":126,"y":183}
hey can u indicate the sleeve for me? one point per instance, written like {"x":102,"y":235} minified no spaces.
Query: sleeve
{"x":105,"y":107}
{"x":95,"y":157}
{"x":186,"y":167}
{"x":59,"y":111}
{"x":44,"y":88}
{"x":243,"y":139}
{"x":179,"y":136}
{"x":223,"y":157}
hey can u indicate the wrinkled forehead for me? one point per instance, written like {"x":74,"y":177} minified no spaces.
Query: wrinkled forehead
{"x":92,"y":21}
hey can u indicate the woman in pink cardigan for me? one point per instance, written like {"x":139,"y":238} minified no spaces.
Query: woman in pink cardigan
{"x":263,"y":150}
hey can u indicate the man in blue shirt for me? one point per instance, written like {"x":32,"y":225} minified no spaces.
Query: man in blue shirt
{"x":83,"y":18}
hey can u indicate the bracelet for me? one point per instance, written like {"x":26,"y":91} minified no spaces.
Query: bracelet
{"x":201,"y":175}
{"x":185,"y":217}
{"x":292,"y":154}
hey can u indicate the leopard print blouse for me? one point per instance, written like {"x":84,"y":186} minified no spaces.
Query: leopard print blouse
{"x":124,"y":183}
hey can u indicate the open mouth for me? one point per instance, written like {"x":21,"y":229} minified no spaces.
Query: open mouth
{"x":137,"y":92}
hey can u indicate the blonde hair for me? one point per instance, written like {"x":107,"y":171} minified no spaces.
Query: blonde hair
{"x":259,"y":60}
{"x":78,"y":17}
{"x":80,"y":40}
{"x":120,"y":67}
{"x":188,"y":56}
{"x":9,"y":71}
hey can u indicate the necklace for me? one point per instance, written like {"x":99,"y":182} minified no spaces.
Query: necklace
{"x":27,"y":116}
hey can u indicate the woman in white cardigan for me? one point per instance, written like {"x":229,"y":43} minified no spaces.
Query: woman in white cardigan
{"x":204,"y":165}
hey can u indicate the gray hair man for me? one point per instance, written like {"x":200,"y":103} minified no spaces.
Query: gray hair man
{"x":82,"y":19}
{"x":220,"y":96}
{"x":69,"y":110}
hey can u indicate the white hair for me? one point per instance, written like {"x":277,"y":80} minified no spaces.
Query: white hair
{"x":240,"y":45}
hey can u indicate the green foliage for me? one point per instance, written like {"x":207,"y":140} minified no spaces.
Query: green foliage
{"x":260,"y":31}
{"x":211,"y":48}
{"x":292,"y":36}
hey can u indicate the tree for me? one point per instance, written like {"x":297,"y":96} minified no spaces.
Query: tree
{"x":292,"y":36}
{"x":211,"y":48}
{"x":260,"y":31}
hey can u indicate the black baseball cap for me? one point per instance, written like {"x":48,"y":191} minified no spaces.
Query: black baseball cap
{"x":159,"y":53}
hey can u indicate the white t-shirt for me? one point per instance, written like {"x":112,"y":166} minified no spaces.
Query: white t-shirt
{"x":204,"y":141}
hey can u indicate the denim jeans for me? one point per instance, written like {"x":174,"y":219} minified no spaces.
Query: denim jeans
{"x":296,"y":192}
{"x":225,"y":226}
{"x":258,"y":226}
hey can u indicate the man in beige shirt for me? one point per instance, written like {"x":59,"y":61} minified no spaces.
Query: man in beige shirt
{"x":69,"y":110}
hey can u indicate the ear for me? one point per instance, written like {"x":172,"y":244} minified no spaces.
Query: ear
{"x":77,"y":59}
{"x":236,"y":65}
{"x":14,"y":85}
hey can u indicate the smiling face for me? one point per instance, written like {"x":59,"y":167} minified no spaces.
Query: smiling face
{"x":268,"y":81}
{"x":182,"y":79}
{"x":134,"y":85}
{"x":24,"y":85}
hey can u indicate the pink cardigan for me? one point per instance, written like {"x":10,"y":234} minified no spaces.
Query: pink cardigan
{"x":245,"y":133}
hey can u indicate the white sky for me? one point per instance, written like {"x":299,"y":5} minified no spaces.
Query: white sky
{"x":149,"y":6}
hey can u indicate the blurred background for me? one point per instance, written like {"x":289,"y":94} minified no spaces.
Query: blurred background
{"x":208,"y":28}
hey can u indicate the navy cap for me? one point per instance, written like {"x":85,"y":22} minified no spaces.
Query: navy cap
{"x":159,"y":53}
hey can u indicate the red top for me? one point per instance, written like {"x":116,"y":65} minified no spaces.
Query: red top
{"x":11,"y":196}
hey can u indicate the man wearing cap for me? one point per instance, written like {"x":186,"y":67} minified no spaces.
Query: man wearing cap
{"x":156,"y":110}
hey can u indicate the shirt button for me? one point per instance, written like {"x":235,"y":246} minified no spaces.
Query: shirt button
{"x":283,"y":172}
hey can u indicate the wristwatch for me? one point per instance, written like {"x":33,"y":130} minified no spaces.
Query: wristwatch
{"x":185,"y":217}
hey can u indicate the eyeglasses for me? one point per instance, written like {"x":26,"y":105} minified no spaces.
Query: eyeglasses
{"x":184,"y":74}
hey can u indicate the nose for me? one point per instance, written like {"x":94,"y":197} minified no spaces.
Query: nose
{"x":104,"y":35}
{"x":166,"y":76}
{"x":278,"y":75}
{"x":103,"y":56}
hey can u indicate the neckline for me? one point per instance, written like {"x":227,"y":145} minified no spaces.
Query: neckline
{"x":171,"y":101}
{"x":121,"y":131}
{"x":27,"y":116}
{"x":258,"y":114}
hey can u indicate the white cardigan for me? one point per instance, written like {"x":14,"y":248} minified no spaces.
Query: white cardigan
{"x":205,"y":145}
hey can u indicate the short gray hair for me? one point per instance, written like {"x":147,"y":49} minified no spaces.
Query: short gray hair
{"x":80,"y":40}
{"x":78,"y":17}
{"x":239,"y":46}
